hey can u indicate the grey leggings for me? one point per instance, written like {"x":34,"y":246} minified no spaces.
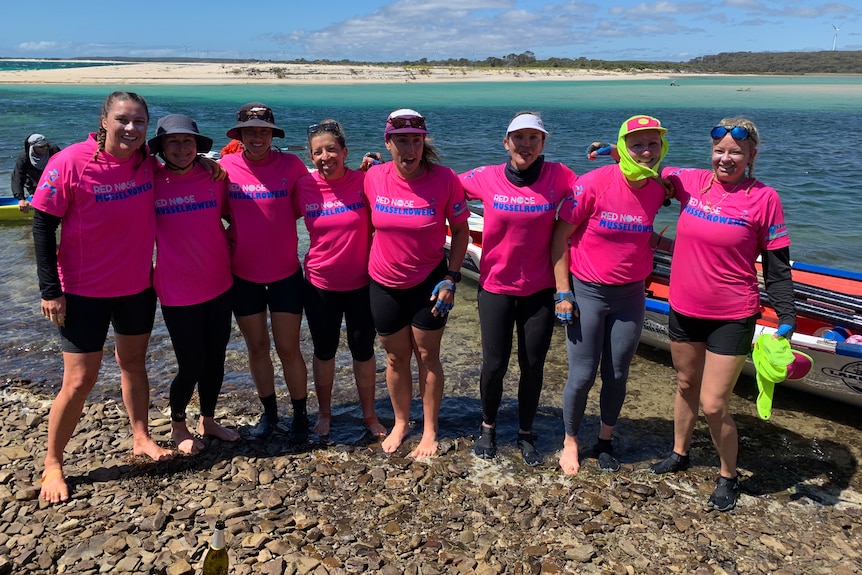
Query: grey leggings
{"x":607,"y":333}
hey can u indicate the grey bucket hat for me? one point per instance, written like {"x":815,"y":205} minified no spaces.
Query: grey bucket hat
{"x":178,"y":124}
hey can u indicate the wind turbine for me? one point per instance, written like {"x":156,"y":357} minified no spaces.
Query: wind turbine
{"x":835,"y":36}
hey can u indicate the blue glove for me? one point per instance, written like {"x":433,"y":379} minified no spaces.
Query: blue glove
{"x":784,"y":330}
{"x":442,"y":307}
{"x":602,"y":149}
{"x":567,"y":317}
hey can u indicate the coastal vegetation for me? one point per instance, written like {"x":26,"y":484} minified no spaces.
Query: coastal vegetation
{"x":790,"y":63}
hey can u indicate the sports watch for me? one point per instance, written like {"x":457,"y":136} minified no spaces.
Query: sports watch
{"x":454,"y":276}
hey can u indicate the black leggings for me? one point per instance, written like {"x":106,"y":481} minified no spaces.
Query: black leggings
{"x":533,"y":315}
{"x":199,"y":334}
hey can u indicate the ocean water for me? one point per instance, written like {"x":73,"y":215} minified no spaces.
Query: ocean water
{"x":810,"y":154}
{"x":811,"y":150}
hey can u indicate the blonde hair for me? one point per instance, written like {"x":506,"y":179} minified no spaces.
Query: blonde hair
{"x":753,"y":135}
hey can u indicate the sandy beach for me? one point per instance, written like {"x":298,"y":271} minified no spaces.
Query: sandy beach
{"x":279,"y":73}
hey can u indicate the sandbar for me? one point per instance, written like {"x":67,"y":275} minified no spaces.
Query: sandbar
{"x":280,"y":73}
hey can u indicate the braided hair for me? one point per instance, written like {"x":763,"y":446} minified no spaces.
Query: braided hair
{"x":102,"y":134}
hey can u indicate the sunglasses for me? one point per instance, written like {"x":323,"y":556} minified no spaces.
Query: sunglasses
{"x":331,"y":127}
{"x":417,"y":122}
{"x":736,"y":132}
{"x":264,"y":114}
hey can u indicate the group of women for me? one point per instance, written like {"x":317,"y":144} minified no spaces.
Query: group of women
{"x":554,"y":245}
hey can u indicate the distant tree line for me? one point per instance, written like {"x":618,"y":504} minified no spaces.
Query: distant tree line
{"x":826,"y":62}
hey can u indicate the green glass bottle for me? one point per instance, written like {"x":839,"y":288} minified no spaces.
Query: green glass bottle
{"x":215,"y":562}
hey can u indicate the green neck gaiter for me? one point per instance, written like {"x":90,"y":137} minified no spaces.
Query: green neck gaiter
{"x":631,"y":169}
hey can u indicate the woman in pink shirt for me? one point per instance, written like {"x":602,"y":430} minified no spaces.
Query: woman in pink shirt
{"x":192,"y":277}
{"x":727,"y":219}
{"x":602,"y":253}
{"x":102,"y":192}
{"x":412,"y":286}
{"x":338,"y":221}
{"x":265,"y":261}
{"x":520,"y":200}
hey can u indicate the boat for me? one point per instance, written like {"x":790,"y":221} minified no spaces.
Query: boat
{"x":829,"y":311}
{"x":9,"y":210}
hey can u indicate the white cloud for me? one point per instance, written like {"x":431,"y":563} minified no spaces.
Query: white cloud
{"x":40,"y":46}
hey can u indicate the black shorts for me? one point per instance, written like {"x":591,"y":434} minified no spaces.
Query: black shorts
{"x":88,"y":318}
{"x":722,"y":337}
{"x":251,"y":298}
{"x":394,"y":309}
{"x":324,"y":310}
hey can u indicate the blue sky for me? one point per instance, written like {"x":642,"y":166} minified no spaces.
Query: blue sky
{"x":366,"y":30}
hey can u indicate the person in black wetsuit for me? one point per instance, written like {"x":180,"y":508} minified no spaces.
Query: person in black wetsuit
{"x":29,"y":167}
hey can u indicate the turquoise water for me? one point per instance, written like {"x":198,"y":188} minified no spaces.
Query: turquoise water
{"x":47,"y":65}
{"x":810,"y":152}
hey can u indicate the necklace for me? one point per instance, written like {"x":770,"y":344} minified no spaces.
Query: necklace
{"x":708,"y":206}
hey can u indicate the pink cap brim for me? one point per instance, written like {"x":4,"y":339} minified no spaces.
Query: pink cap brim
{"x":800,"y":366}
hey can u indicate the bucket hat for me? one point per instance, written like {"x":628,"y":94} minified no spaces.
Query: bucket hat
{"x":178,"y":124}
{"x":254,"y":115}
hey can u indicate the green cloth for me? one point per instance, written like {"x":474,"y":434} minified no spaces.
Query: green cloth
{"x":771,"y":356}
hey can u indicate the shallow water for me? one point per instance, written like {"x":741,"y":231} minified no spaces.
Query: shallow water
{"x":809,"y":445}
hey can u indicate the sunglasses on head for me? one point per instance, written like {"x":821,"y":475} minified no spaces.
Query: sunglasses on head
{"x":331,"y":127}
{"x":412,"y":122}
{"x":736,"y":132}
{"x":264,"y":114}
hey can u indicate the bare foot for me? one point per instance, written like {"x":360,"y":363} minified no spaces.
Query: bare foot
{"x":569,"y":461}
{"x":209,"y":427}
{"x":54,"y":488}
{"x":374,"y":427}
{"x":146,"y":446}
{"x":427,"y":447}
{"x":394,"y":440}
{"x":324,"y":420}
{"x":184,"y":440}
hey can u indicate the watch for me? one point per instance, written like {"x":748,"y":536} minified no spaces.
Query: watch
{"x":454,"y":276}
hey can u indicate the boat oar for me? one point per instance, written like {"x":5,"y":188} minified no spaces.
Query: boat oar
{"x":827,"y":296}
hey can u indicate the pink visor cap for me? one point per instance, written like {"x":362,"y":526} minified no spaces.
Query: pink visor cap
{"x":405,"y":121}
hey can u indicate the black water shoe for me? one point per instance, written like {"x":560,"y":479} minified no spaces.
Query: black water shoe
{"x":671,"y":464}
{"x":604,"y":452}
{"x":264,"y":427}
{"x":725,"y":495}
{"x":527,"y":445}
{"x":298,"y":429}
{"x":486,"y":445}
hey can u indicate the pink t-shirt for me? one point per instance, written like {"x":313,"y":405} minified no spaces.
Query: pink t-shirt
{"x":263,"y":218}
{"x":611,"y":245}
{"x":409,"y":219}
{"x":109,"y":226}
{"x":192,"y":256}
{"x":720,"y":233}
{"x":339,"y":229}
{"x":519,"y":223}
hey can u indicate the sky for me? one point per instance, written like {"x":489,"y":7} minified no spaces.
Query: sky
{"x":394,"y":31}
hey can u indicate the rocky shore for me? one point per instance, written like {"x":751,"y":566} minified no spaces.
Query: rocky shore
{"x":349,"y":508}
